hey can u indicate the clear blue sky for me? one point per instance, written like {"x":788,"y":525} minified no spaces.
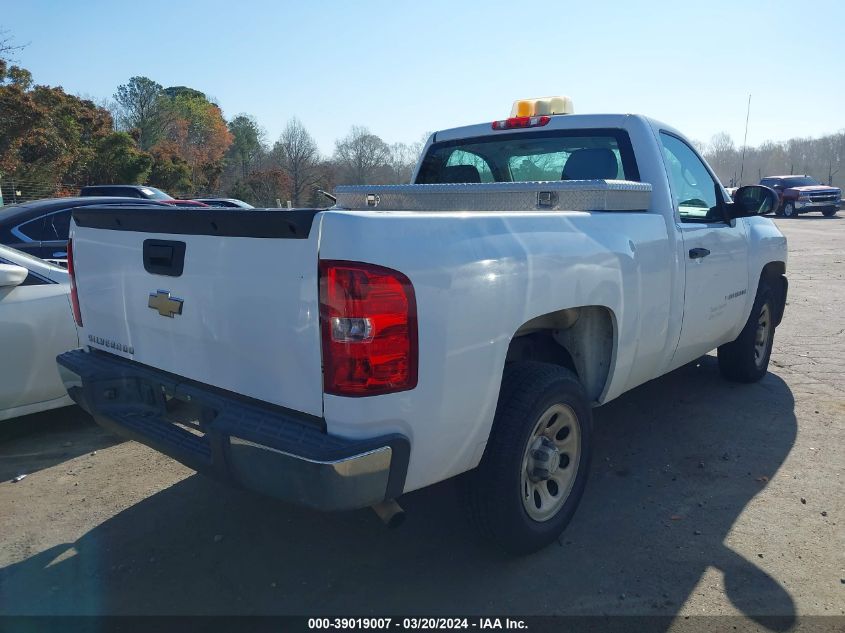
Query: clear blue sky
{"x":403,"y":68}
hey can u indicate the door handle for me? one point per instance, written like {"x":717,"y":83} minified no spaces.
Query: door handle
{"x":698,"y":253}
{"x":164,"y":257}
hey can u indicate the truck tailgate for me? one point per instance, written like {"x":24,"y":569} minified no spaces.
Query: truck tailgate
{"x":226,"y":298}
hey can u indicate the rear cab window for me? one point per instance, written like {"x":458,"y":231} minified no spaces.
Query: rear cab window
{"x":588,"y":154}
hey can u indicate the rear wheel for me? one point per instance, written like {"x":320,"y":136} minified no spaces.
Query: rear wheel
{"x":746,"y":359}
{"x":789,"y":210}
{"x":829,"y":213}
{"x":535,"y":466}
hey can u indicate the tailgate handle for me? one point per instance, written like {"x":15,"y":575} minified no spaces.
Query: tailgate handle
{"x":164,"y":257}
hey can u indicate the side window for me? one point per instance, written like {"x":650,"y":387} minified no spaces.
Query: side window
{"x":34,"y":280}
{"x":693,"y":189}
{"x":117,"y":192}
{"x":57,"y":226}
{"x":32,"y":230}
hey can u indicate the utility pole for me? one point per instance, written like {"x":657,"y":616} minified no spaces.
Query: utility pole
{"x":744,"y":140}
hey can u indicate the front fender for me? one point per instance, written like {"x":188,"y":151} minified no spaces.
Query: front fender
{"x":766,"y":245}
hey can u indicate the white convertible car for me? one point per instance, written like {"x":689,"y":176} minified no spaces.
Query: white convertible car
{"x":36,"y":324}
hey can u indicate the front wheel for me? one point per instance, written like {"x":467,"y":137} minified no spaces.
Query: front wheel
{"x":829,"y":213}
{"x":746,"y":359}
{"x":535,"y":466}
{"x":789,"y":210}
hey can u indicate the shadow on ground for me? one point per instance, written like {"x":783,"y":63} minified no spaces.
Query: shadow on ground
{"x":811,"y":216}
{"x":69,"y":435}
{"x":677,"y":460}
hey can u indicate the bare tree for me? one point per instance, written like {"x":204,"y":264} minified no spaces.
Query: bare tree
{"x":402,"y":160}
{"x":8,"y":48}
{"x":723,"y":157}
{"x":360,"y":155}
{"x":297,"y":153}
{"x":833,"y":149}
{"x":821,"y":158}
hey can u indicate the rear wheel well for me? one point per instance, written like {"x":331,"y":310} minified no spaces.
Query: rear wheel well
{"x":579,"y":339}
{"x":541,"y":347}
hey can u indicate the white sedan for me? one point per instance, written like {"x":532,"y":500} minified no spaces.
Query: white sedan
{"x":36,"y":324}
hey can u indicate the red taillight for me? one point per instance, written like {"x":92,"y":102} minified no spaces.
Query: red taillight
{"x":518,"y":122}
{"x":368,"y":316}
{"x":74,"y":297}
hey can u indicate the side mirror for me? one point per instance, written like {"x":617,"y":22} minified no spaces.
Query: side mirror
{"x":752,"y":200}
{"x":11,"y":275}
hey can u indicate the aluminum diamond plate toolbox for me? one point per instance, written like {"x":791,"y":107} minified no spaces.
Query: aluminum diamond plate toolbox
{"x":566,"y":195}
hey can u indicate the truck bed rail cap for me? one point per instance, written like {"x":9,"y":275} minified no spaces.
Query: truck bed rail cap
{"x":567,"y":195}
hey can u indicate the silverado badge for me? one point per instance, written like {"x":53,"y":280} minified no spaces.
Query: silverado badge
{"x":165,"y":304}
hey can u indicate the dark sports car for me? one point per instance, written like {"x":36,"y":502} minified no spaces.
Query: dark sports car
{"x":41,"y":227}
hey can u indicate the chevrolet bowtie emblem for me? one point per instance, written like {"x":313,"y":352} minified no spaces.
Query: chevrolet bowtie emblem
{"x":165,"y":304}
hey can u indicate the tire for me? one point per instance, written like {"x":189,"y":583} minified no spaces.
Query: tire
{"x":789,"y":210}
{"x":779,"y":211}
{"x":829,"y":213}
{"x":746,"y":359}
{"x":540,"y":404}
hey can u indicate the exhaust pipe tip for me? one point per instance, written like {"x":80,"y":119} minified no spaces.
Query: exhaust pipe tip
{"x":390,"y":513}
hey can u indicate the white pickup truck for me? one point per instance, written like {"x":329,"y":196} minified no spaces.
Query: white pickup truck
{"x":465,"y":324}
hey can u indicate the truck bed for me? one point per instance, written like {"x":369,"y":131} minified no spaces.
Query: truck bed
{"x":250,"y":321}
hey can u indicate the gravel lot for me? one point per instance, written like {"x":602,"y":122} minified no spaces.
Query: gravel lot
{"x":705,"y":498}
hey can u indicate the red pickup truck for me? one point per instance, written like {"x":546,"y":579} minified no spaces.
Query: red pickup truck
{"x":802,"y":194}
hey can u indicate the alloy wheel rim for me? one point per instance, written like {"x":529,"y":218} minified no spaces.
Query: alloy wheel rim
{"x":550,"y":462}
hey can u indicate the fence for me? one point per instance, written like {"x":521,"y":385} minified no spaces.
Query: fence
{"x":14,"y":191}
